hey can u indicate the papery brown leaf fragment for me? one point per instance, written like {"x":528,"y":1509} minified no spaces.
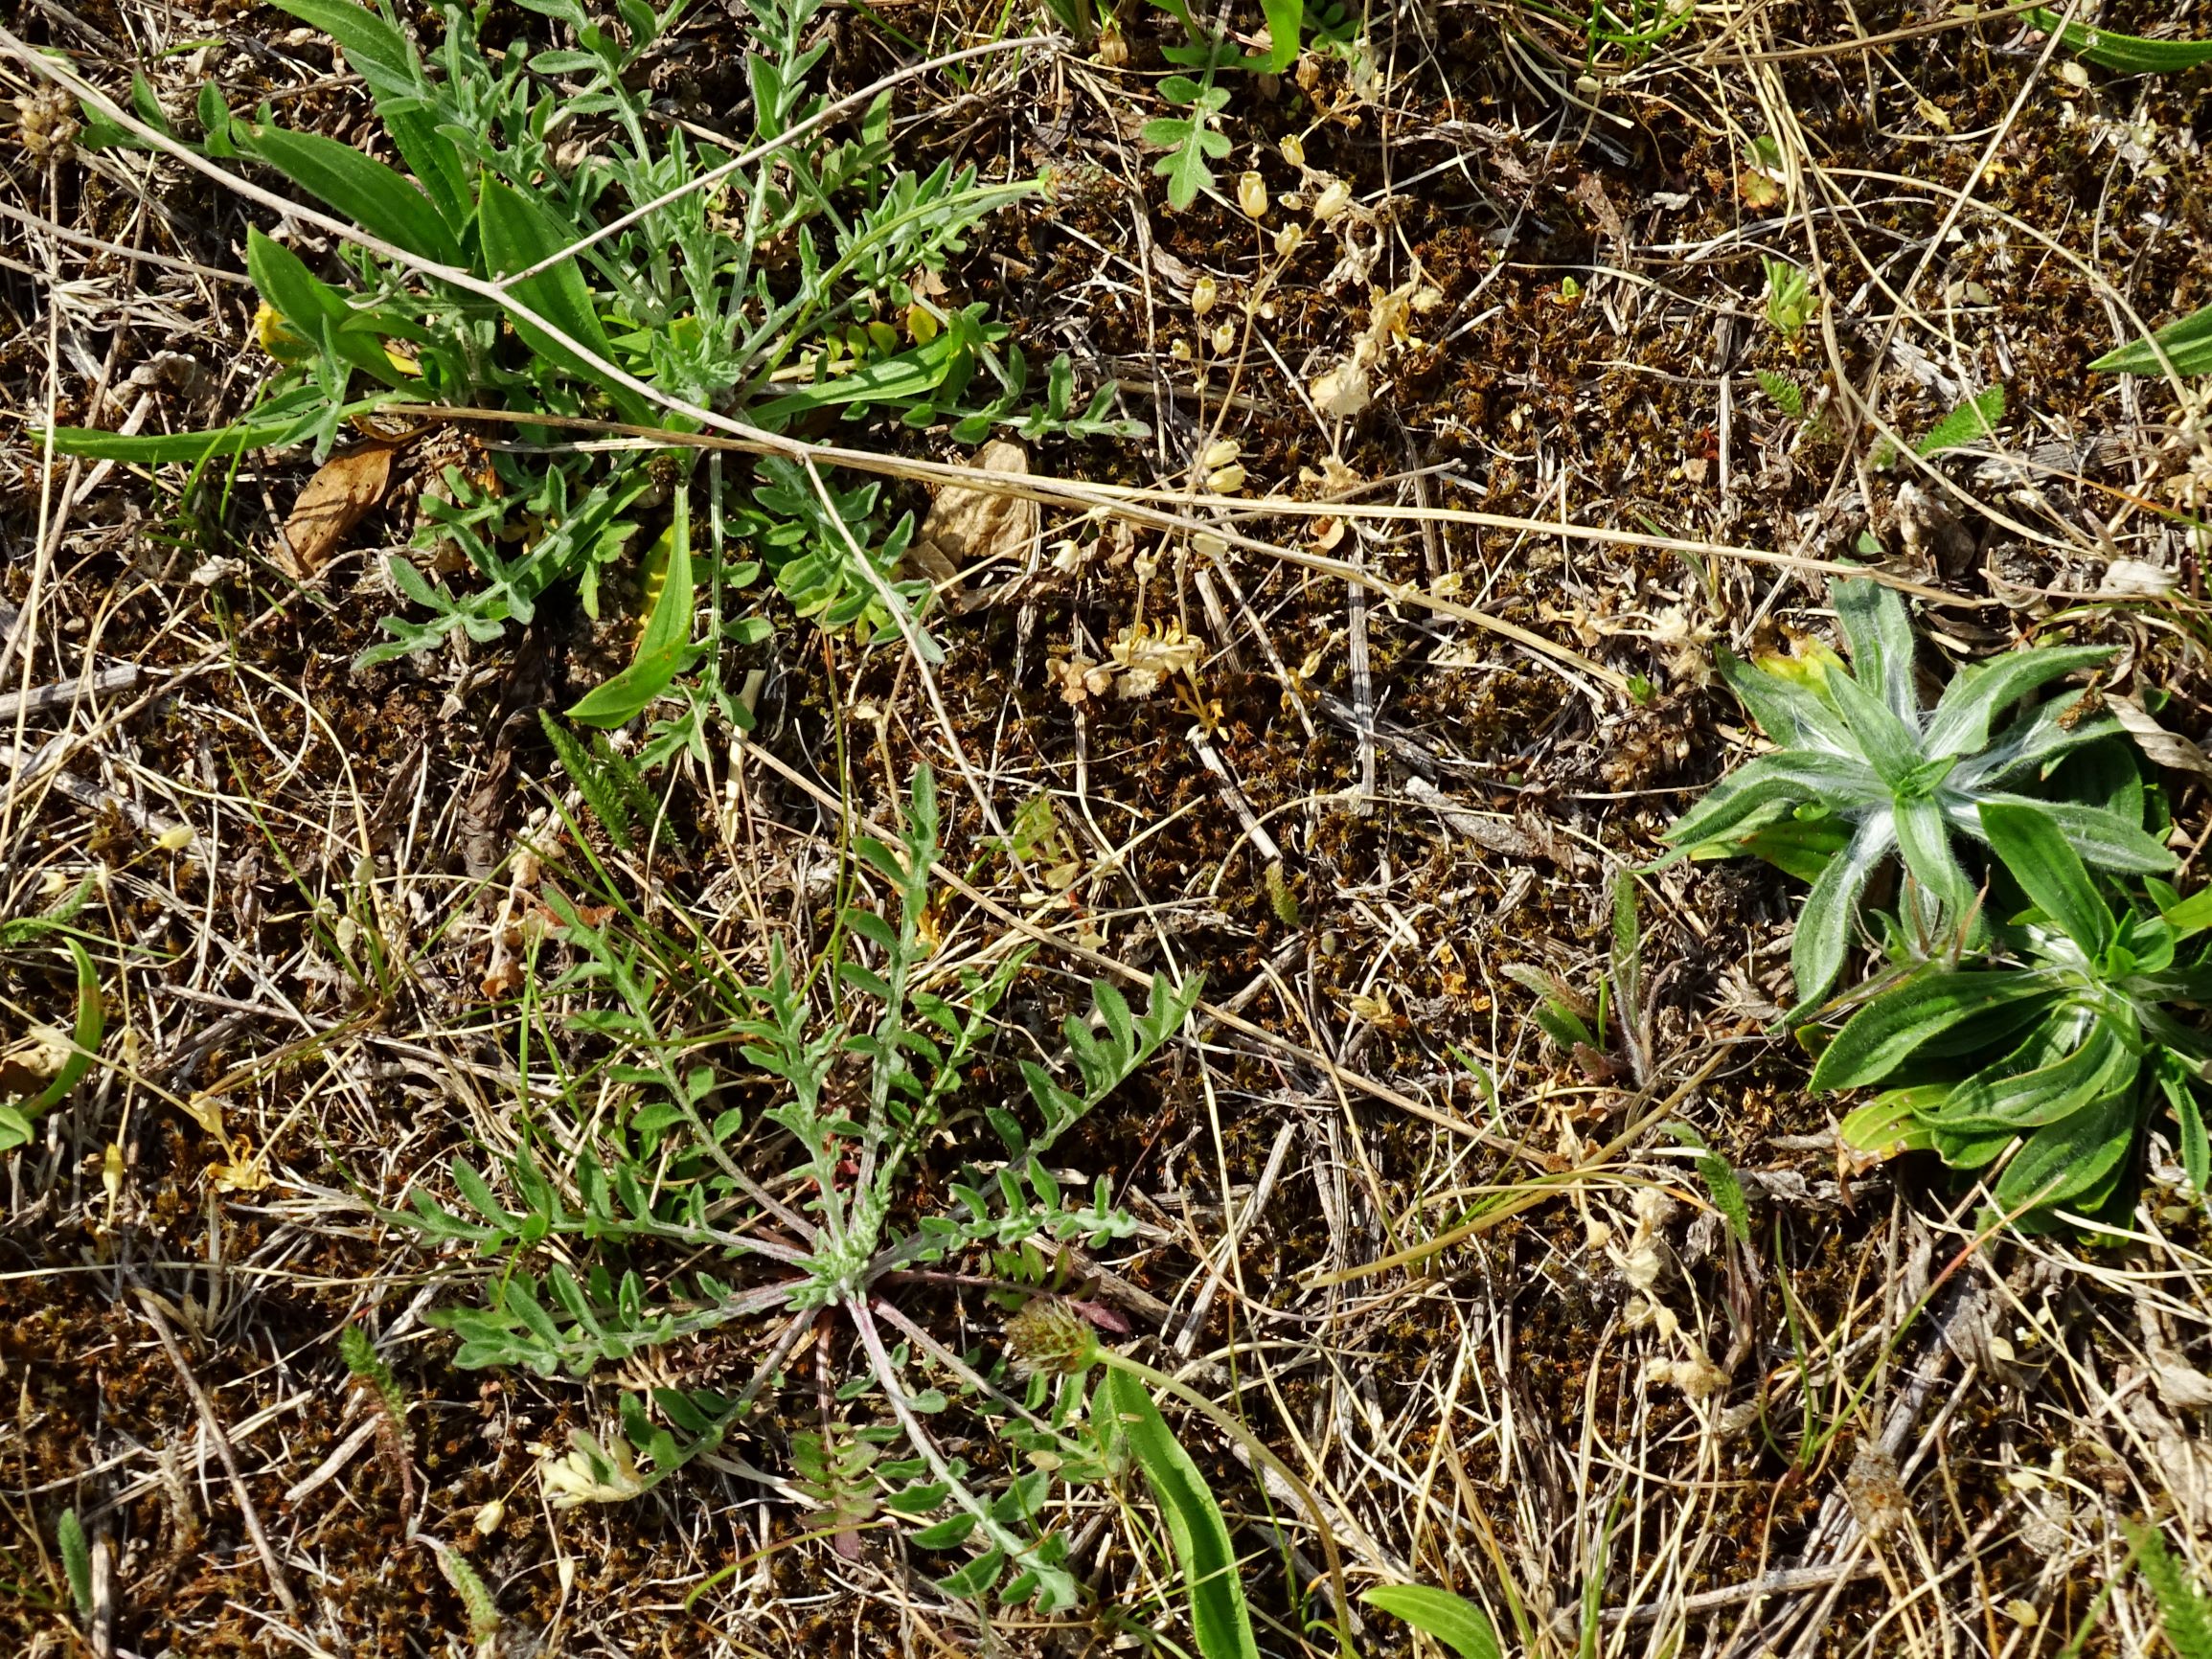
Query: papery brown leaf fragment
{"x":339,"y":495}
{"x":967,"y":528}
{"x":2169,"y":749}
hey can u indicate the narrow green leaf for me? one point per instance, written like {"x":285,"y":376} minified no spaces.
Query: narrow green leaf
{"x":2187,"y":343}
{"x":1285,"y":18}
{"x":2191,"y":914}
{"x":2126,"y":53}
{"x":2050,"y":873}
{"x":359,"y":187}
{"x":2065,"y":1160}
{"x":1889,"y":1124}
{"x":317,"y":311}
{"x":374,"y":49}
{"x":75,"y":1562}
{"x":1221,"y":1624}
{"x":2005,"y":1096}
{"x":1881,"y":1036}
{"x":1889,"y":740}
{"x":1924,"y":839}
{"x":1793,"y":776}
{"x":1824,"y":930}
{"x":519,"y":234}
{"x":1880,"y":634}
{"x":1451,"y":1620}
{"x":85,"y":1040}
{"x":1977,"y":695}
{"x":2100,"y":837}
{"x":664,"y":648}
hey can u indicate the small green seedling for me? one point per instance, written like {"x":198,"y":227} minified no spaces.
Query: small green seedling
{"x":1789,"y":298}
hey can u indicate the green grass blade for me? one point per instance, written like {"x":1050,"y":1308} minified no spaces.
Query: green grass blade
{"x":84,"y":1042}
{"x":289,"y":418}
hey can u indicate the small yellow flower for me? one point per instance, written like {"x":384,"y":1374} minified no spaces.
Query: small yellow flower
{"x":277,"y":336}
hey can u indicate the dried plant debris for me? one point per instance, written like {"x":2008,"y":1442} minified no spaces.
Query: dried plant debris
{"x":1288,"y":833}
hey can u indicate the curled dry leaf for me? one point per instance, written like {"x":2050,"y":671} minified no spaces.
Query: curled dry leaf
{"x":971,"y":527}
{"x":30,"y":1063}
{"x":334,"y":501}
{"x":2168,"y":749}
{"x":1343,"y":392}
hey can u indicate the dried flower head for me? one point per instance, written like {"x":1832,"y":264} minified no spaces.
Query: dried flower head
{"x":1049,"y":1339}
{"x":46,"y":121}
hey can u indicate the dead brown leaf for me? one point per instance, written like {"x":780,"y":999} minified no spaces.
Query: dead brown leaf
{"x":967,"y":528}
{"x":332,"y":502}
{"x":30,"y":1063}
{"x":1592,"y":194}
{"x":2165,"y":748}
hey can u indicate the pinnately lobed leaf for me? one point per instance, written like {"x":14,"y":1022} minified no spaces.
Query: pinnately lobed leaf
{"x":2183,"y":1609}
{"x":1220,"y":1622}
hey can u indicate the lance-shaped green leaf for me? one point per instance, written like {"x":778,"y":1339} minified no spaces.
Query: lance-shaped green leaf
{"x":1795,"y":775}
{"x":1880,"y":635}
{"x":2186,"y":344}
{"x":1859,"y":750}
{"x":1451,"y":1620}
{"x":361,"y":187}
{"x":1983,"y":691}
{"x":664,"y":648}
{"x":2006,"y":1096}
{"x":1884,"y":1034}
{"x":520,"y":235}
{"x":2064,"y":1161}
{"x":2126,"y":53}
{"x":1824,"y":925}
{"x":1221,"y":1624}
{"x":2050,"y":873}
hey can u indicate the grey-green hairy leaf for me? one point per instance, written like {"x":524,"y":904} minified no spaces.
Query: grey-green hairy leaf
{"x":1904,"y":781}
